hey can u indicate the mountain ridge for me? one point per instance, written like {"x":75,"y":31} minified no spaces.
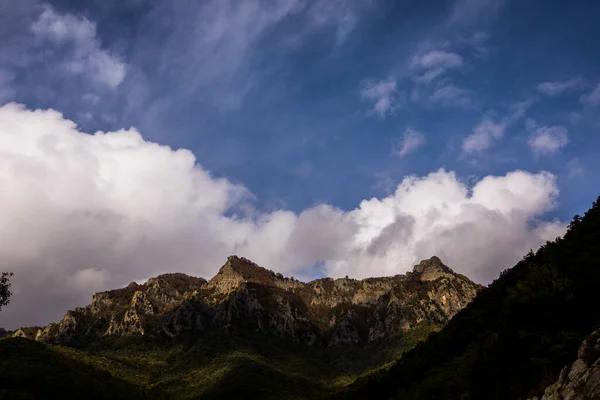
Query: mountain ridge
{"x":244,"y":295}
{"x":252,"y":334}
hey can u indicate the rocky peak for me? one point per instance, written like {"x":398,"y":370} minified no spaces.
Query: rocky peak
{"x":432,"y":269}
{"x":243,"y":295}
{"x":245,"y":269}
{"x":238,"y":270}
{"x":163,"y":290}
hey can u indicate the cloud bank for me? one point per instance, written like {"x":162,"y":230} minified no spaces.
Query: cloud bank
{"x":88,"y":212}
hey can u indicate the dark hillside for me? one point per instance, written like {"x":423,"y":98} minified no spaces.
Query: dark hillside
{"x":33,"y":370}
{"x":514,"y":338}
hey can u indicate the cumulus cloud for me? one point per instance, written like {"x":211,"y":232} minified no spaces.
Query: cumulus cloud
{"x":86,"y":56}
{"x":548,"y":140}
{"x":411,"y":141}
{"x":557,"y":88}
{"x":477,"y":230}
{"x":592,"y":98}
{"x":383,"y":94}
{"x":88,"y":212}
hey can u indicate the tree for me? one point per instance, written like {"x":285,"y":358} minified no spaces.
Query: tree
{"x":5,"y":288}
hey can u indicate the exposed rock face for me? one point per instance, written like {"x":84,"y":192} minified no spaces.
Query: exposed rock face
{"x":244,"y":296}
{"x":432,"y":269}
{"x":581,"y":380}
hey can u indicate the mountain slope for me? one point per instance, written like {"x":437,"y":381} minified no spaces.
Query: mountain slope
{"x":246,"y":297}
{"x":30,"y":370}
{"x":514,"y":338}
{"x":250,"y":333}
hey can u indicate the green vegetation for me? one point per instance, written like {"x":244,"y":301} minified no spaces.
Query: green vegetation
{"x":515,"y":337}
{"x":5,"y":288}
{"x":32,"y":370}
{"x":250,"y":366}
{"x":509,"y":343}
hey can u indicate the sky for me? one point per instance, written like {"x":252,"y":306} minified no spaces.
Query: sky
{"x":315,"y":137}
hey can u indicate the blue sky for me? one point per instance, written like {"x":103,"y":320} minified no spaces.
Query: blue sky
{"x":280,"y":110}
{"x":307,"y":103}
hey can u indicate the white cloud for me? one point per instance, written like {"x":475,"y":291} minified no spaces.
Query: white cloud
{"x":557,"y":88}
{"x":484,"y":134}
{"x":488,"y":131}
{"x":340,"y":14}
{"x":383,"y":94}
{"x":214,"y":48}
{"x":517,"y":111}
{"x":548,"y":140}
{"x":436,"y":63}
{"x":87,"y":56}
{"x":434,"y":87}
{"x":574,"y":169}
{"x":477,"y":233}
{"x":411,"y":141}
{"x":449,"y":95}
{"x":439,"y":58}
{"x":83,"y":213}
{"x":592,"y":98}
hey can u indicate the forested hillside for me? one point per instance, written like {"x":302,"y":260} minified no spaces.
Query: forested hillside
{"x":515,"y":337}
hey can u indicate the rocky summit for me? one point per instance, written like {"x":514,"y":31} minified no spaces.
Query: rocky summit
{"x":245,"y":296}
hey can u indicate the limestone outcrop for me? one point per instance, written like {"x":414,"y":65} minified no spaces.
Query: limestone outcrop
{"x":580,"y":380}
{"x":245,"y":296}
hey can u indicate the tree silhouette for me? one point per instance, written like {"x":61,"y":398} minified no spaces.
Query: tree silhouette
{"x":5,"y":288}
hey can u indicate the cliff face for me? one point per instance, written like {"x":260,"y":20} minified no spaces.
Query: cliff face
{"x":581,"y":380}
{"x":244,"y":296}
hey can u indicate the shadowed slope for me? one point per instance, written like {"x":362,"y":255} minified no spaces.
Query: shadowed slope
{"x":32,"y":370}
{"x":515,"y":337}
{"x":252,"y":333}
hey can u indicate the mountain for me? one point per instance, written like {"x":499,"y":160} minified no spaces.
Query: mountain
{"x":247,"y":332}
{"x":515,"y":338}
{"x":246,"y":297}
